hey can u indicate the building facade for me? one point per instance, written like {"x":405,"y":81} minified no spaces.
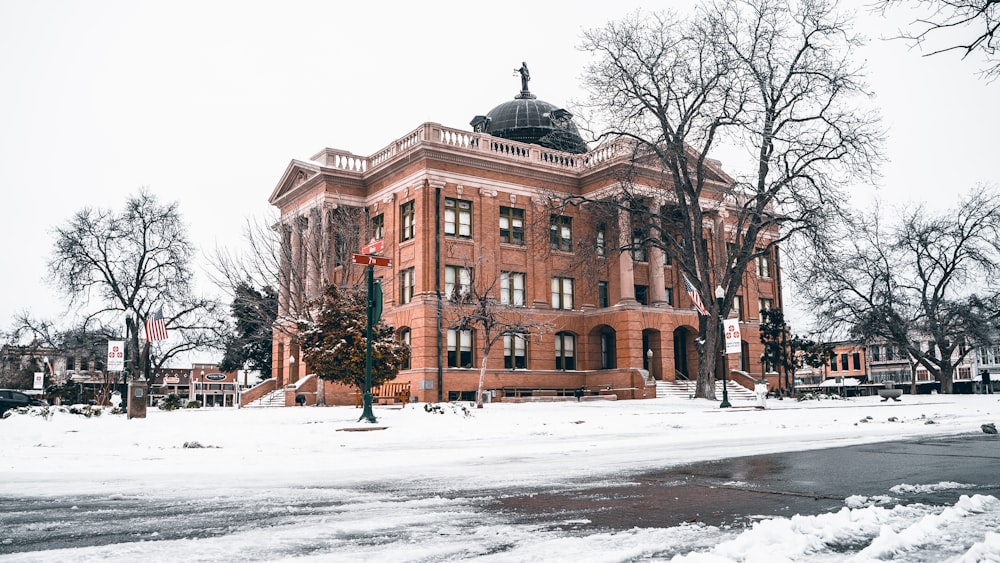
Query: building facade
{"x":487,"y":206}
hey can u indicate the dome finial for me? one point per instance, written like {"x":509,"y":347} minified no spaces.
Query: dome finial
{"x":525,"y":77}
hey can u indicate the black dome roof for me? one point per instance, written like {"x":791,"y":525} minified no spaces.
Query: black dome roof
{"x":529,"y":120}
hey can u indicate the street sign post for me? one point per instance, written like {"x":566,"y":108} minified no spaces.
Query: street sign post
{"x":365,"y":260}
{"x":373,"y":311}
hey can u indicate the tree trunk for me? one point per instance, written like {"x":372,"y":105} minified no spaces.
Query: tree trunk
{"x":708,"y":358}
{"x":947,"y":378}
{"x":482,"y":380}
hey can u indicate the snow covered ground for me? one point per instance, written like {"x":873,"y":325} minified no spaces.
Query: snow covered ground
{"x":301,"y":484}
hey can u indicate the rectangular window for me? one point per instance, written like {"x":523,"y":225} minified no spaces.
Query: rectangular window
{"x":404,"y":337}
{"x":561,"y":233}
{"x":602,"y":294}
{"x":843,"y":362}
{"x":457,"y":281}
{"x":457,"y":218}
{"x":642,"y":294}
{"x":409,"y":218}
{"x":602,"y":236}
{"x":764,"y":265}
{"x":70,"y":362}
{"x":565,"y":351}
{"x":406,"y":282}
{"x":512,"y":225}
{"x":766,"y":304}
{"x":857,"y":361}
{"x":833,"y":362}
{"x":512,"y":288}
{"x":738,"y":308}
{"x":378,"y":227}
{"x":875,"y":353}
{"x":515,"y":351}
{"x":638,"y":245}
{"x":562,"y":293}
{"x":459,"y":348}
{"x":669,"y":294}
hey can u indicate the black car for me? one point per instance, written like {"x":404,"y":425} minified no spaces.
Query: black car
{"x":11,"y":399}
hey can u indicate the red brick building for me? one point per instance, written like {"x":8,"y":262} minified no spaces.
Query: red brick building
{"x":448,"y":202}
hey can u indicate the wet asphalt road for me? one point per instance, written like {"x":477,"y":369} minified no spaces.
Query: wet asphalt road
{"x":729,"y":492}
{"x":737,"y":490}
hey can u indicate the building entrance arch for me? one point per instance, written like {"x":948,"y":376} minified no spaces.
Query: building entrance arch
{"x":604,"y":354}
{"x":685,"y":353}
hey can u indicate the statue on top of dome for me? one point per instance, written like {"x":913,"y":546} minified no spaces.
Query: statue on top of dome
{"x":525,"y":76}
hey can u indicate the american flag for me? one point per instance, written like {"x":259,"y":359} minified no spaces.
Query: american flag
{"x":156,"y":328}
{"x":695,"y":296}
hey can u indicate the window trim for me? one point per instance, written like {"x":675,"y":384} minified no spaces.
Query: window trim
{"x":462,"y":277}
{"x":564,"y":361}
{"x":515,"y":233}
{"x":560,"y":225}
{"x":407,"y":285}
{"x":377,"y":230}
{"x":408,"y":221}
{"x":560,"y":298}
{"x":457,"y":208}
{"x":455,"y":348}
{"x":514,"y":342}
{"x":509,"y":290}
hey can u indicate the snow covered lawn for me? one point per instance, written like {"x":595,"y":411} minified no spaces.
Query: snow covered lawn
{"x":252,"y":454}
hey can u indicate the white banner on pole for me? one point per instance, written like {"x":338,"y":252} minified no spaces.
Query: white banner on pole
{"x":39,"y":380}
{"x":116,"y":355}
{"x":734,"y":344}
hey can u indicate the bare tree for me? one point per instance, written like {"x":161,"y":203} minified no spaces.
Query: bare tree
{"x":966,"y":26}
{"x":930,"y":277}
{"x":772,"y":78}
{"x":133,"y":263}
{"x":296,"y":258}
{"x":492,"y":308}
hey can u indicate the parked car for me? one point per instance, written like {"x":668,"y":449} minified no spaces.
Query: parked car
{"x":11,"y":399}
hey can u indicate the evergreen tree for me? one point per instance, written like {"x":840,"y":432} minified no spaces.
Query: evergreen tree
{"x":249,"y":347}
{"x":333,"y":345}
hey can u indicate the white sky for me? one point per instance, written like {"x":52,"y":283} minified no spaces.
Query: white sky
{"x":206,"y":102}
{"x":287,"y":484}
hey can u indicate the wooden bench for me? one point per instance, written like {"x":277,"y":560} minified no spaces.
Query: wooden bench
{"x":393,"y":391}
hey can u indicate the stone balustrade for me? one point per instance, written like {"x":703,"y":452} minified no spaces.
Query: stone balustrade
{"x":436,"y":135}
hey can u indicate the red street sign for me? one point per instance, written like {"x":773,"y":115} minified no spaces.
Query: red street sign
{"x":365,"y":260}
{"x":373,"y":247}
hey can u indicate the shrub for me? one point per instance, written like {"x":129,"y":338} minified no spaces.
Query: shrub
{"x":170,"y":402}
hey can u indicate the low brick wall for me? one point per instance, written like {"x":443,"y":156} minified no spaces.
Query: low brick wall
{"x":257,"y":391}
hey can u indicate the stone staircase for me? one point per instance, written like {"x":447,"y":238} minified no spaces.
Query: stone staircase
{"x":684,"y":389}
{"x":272,"y":399}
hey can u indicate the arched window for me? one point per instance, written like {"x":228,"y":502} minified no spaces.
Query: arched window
{"x":565,"y":351}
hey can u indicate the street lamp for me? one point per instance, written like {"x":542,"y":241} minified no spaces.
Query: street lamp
{"x":291,"y":368}
{"x":720,"y":296}
{"x":649,"y":360}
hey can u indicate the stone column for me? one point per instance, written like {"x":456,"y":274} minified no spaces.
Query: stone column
{"x":657,"y":286}
{"x":625,"y":267}
{"x":285,"y":265}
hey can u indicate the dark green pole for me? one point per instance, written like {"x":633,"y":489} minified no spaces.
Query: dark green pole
{"x":367,"y":414}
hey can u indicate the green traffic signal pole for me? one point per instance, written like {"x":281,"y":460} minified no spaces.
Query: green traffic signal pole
{"x":367,"y":414}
